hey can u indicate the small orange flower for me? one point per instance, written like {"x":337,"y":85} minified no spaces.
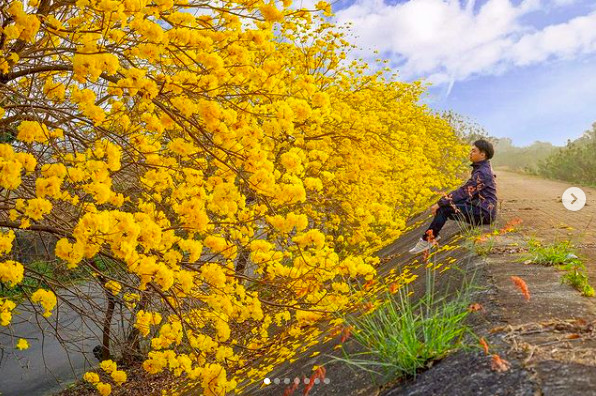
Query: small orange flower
{"x":430,"y":236}
{"x":475,"y":307}
{"x":482,"y":238}
{"x":336,"y":330}
{"x":484,"y":345}
{"x":393,"y":287}
{"x":499,"y":364}
{"x":290,"y":389}
{"x":521,"y":285}
{"x":510,"y":225}
{"x":319,"y":373}
{"x":368,"y":284}
{"x":346,"y":333}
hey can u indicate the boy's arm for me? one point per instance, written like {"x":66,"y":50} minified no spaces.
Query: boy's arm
{"x":467,"y":190}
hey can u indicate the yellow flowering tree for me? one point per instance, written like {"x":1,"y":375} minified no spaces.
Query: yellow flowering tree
{"x":226,"y":160}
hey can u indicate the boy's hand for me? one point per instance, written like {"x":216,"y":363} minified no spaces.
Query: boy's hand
{"x":434,"y":209}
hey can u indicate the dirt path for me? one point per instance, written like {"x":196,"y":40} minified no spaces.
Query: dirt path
{"x":537,"y":202}
{"x":553,"y":335}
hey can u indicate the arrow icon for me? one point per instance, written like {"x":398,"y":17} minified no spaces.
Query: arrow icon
{"x":574,"y":198}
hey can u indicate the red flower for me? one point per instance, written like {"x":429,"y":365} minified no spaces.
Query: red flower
{"x":346,"y":333}
{"x":393,"y":287}
{"x":499,"y":364}
{"x":484,"y":345}
{"x":519,"y":282}
{"x":320,"y":374}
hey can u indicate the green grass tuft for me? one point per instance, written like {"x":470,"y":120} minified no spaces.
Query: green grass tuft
{"x":565,"y":258}
{"x":405,"y":334}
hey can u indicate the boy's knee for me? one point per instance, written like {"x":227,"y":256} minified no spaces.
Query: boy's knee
{"x":445,"y":209}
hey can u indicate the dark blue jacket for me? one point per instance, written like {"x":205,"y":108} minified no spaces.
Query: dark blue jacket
{"x":480,"y":190}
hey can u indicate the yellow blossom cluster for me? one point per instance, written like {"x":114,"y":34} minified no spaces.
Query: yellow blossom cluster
{"x":47,"y":300}
{"x":6,"y":307}
{"x":113,"y":286}
{"x":25,"y":25}
{"x":145,"y":320}
{"x":93,"y":378}
{"x":22,"y":344}
{"x":6,"y":239}
{"x":111,"y":368}
{"x":12,"y":166}
{"x":11,"y":272}
{"x":229,"y":167}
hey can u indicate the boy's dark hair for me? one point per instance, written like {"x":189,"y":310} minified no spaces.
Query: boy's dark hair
{"x":486,"y":147}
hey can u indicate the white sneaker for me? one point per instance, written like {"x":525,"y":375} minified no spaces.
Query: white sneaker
{"x":422,"y":246}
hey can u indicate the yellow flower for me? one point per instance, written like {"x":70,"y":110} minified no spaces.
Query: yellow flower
{"x":6,"y":239}
{"x":11,"y":272}
{"x":103,"y":389}
{"x":119,"y":377}
{"x":325,"y":7}
{"x":27,"y":160}
{"x":46,"y":299}
{"x":213,"y":274}
{"x":22,"y":344}
{"x":48,"y":187}
{"x":271,"y":13}
{"x":6,"y":307}
{"x":113,"y":286}
{"x":193,"y":247}
{"x":32,"y":131}
{"x":37,"y":207}
{"x":71,"y":253}
{"x":108,"y":366}
{"x":91,"y":377}
{"x":164,"y":277}
{"x":145,"y":319}
{"x":54,"y":90}
{"x":220,"y":245}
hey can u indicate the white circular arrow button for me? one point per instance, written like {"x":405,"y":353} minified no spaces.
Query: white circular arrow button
{"x":574,"y":198}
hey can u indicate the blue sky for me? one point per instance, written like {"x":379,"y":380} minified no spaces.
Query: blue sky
{"x":523,"y":69}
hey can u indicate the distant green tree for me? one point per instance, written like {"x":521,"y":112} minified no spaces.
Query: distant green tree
{"x":521,"y":158}
{"x":576,"y":162}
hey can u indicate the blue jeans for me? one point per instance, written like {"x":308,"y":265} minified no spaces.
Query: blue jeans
{"x":466,"y":212}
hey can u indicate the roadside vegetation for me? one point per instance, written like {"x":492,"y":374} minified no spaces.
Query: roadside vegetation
{"x":575,"y":163}
{"x":564,"y":257}
{"x":408,"y":332}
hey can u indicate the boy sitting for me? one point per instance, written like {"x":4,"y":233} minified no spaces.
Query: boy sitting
{"x":475,"y":202}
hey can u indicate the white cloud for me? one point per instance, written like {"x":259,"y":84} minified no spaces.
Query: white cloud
{"x":565,"y":40}
{"x":448,"y":41}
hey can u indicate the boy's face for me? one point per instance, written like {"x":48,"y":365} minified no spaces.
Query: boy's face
{"x":476,"y":155}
